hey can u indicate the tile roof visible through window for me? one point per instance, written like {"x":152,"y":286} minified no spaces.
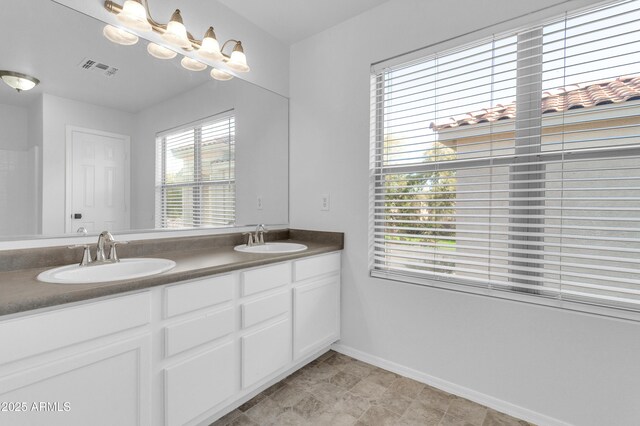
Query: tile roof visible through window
{"x":620,"y":89}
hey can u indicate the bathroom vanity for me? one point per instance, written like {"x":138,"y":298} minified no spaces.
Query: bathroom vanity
{"x":183,"y":348}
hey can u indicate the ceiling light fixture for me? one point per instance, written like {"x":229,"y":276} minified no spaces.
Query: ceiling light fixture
{"x":134,"y":15}
{"x":18,"y":81}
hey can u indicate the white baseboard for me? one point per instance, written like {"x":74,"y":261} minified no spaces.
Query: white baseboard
{"x":480,"y":398}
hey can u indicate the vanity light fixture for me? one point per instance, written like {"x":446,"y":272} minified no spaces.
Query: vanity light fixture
{"x":220,"y":75}
{"x":134,"y":15}
{"x":210,"y":48}
{"x":119,"y":36}
{"x":238,"y":60}
{"x":160,"y":52}
{"x":18,"y":81}
{"x":176,"y":33}
{"x":192,"y":64}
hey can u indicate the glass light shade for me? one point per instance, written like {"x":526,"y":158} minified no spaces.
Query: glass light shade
{"x":160,"y":52}
{"x":192,"y":64}
{"x":210,"y":48}
{"x":119,"y":36}
{"x":220,"y":75}
{"x":176,"y":33}
{"x":238,"y":61}
{"x":133,"y":15}
{"x":18,"y":81}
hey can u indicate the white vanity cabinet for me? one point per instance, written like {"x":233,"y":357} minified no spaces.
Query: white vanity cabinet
{"x":199,"y":352}
{"x":316,"y":303}
{"x":179,"y":354}
{"x":266,"y":322}
{"x":78,"y":365}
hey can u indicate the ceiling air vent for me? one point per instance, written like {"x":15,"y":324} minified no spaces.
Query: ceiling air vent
{"x":91,"y":65}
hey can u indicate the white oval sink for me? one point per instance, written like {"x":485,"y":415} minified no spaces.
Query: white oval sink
{"x":272,"y":248}
{"x":94,"y":273}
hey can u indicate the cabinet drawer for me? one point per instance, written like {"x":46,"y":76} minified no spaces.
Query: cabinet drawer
{"x":266,"y":278}
{"x":314,"y":266}
{"x":40,"y":333}
{"x":265,"y":308}
{"x":194,"y":295}
{"x":189,"y":334}
{"x":265,"y":351}
{"x":199,"y":384}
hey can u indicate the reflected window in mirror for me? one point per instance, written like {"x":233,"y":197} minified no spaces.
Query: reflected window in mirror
{"x":195,"y":174}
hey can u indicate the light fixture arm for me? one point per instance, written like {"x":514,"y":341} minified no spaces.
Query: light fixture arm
{"x":115,"y":8}
{"x":225,"y":45}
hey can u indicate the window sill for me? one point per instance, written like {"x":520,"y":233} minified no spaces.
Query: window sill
{"x":588,"y":308}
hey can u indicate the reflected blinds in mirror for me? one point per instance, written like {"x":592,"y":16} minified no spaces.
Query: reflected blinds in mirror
{"x":195,"y":175}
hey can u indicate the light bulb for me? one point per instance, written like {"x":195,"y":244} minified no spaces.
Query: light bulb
{"x":192,"y":64}
{"x":220,"y":75}
{"x":238,"y":60}
{"x":160,"y":52}
{"x":119,"y":36}
{"x":133,"y":15}
{"x":210,"y":48}
{"x":176,"y":33}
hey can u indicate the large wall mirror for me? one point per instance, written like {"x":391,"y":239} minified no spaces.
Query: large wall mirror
{"x":113,"y":138}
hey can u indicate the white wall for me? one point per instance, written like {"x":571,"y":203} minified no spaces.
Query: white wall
{"x":17,"y":183}
{"x":552,"y":364}
{"x":13,"y":122}
{"x":267,"y":56}
{"x":35,"y":142}
{"x":57,"y":113}
{"x":261,"y":148}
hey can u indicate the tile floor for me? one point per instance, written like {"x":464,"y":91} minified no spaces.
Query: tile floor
{"x":336,"y":390}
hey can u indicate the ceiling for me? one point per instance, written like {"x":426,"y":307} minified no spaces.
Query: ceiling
{"x":49,"y":41}
{"x":293,"y":20}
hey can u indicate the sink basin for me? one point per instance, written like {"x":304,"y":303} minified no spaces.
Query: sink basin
{"x":272,"y":248}
{"x":123,"y":270}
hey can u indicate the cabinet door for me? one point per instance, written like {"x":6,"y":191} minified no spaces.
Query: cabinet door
{"x":108,"y":386}
{"x":199,"y":384}
{"x":316,"y":310}
{"x":265,"y":351}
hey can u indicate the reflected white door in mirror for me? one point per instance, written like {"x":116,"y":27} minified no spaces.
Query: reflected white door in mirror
{"x":97,"y":183}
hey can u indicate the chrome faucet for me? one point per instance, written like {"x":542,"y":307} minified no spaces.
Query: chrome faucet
{"x":101,"y":258}
{"x":105,"y":236}
{"x":259,"y":236}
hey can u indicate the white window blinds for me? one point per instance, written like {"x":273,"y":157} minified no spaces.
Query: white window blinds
{"x":514,"y":163}
{"x":195,"y":175}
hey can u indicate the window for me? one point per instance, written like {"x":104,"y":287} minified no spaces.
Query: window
{"x":514,"y":163}
{"x":195,"y":175}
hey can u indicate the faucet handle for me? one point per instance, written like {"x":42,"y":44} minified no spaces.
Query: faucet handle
{"x":260,"y":236}
{"x":250,"y":238}
{"x":86,"y":254}
{"x":113,"y":255}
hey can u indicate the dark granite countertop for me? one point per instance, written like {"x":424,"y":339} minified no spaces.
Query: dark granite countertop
{"x":20,"y":290}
